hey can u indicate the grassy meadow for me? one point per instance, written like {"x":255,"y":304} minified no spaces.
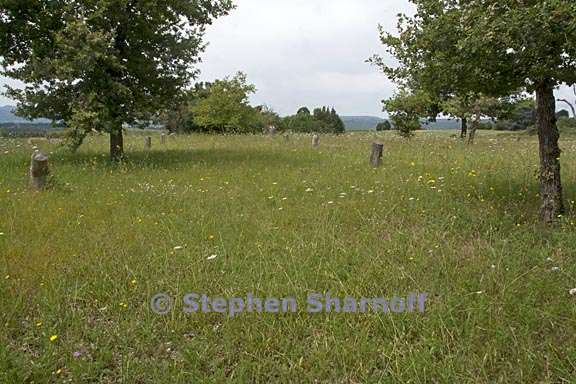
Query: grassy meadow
{"x":233,"y":215}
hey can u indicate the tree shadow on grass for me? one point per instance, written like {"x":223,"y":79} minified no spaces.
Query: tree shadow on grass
{"x":178,"y":158}
{"x":520,"y":201}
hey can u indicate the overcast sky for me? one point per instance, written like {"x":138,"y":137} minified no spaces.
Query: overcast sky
{"x":304,"y":52}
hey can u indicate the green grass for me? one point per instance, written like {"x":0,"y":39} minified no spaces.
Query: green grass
{"x":82,"y":260}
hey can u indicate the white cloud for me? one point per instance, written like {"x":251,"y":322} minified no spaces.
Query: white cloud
{"x":305,"y":52}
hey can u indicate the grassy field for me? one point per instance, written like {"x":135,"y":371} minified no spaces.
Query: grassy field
{"x":230,"y":215}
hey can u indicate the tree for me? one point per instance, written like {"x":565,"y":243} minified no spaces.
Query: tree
{"x":520,"y":116}
{"x":497,"y":47}
{"x":265,"y":118}
{"x":406,"y":108}
{"x":178,"y":118}
{"x":303,"y":110}
{"x":384,"y":126}
{"x":570,"y":105}
{"x":100,"y":65}
{"x":226,"y":109}
{"x":562,"y":114}
{"x":426,"y":50}
{"x":322,"y":120}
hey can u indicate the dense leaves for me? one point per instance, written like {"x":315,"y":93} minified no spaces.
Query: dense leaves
{"x":99,"y":64}
{"x":322,"y":120}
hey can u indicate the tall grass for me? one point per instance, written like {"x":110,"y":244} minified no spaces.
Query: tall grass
{"x":80,"y":262}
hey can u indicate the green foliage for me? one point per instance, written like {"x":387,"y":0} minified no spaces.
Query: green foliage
{"x":96,"y":65}
{"x":567,"y":125}
{"x":303,"y":110}
{"x":562,"y":114}
{"x":384,"y":126}
{"x":406,"y":109}
{"x":520,"y":116}
{"x":226,"y":107}
{"x":179,"y":118}
{"x":323,"y":120}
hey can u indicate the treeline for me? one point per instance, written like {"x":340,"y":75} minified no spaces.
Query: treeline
{"x":29,"y":129}
{"x":506,"y":114}
{"x":223,"y":106}
{"x":322,"y":120}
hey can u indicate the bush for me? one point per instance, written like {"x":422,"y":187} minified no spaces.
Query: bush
{"x":384,"y":126}
{"x":567,"y":125}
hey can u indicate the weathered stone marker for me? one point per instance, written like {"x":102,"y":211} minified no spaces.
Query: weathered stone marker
{"x":39,"y":171}
{"x":376,"y":157}
{"x":148,"y":142}
{"x":316,"y":141}
{"x":162,"y":138}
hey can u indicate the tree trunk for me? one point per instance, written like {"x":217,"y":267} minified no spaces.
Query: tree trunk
{"x":116,"y":145}
{"x":475,"y":123}
{"x":550,"y":182}
{"x":464,"y":129}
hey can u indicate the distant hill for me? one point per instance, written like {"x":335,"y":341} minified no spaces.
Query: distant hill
{"x":361,"y":123}
{"x":367,"y":123}
{"x":7,"y":116}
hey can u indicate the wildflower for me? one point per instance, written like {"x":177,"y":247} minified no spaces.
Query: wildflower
{"x":39,"y":324}
{"x":1,"y":233}
{"x":53,"y":338}
{"x":211,"y":237}
{"x":573,"y":292}
{"x":7,"y":277}
{"x":178,"y":248}
{"x":555,"y":269}
{"x":212,"y":257}
{"x":309,"y":190}
{"x":330,"y":202}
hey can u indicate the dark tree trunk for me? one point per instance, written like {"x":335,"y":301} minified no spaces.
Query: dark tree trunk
{"x":464,"y":129}
{"x":116,"y":145}
{"x":475,"y":123}
{"x":550,"y":182}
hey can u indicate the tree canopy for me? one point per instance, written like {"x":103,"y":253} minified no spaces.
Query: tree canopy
{"x":99,"y":64}
{"x":322,"y":120}
{"x":492,"y":48}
